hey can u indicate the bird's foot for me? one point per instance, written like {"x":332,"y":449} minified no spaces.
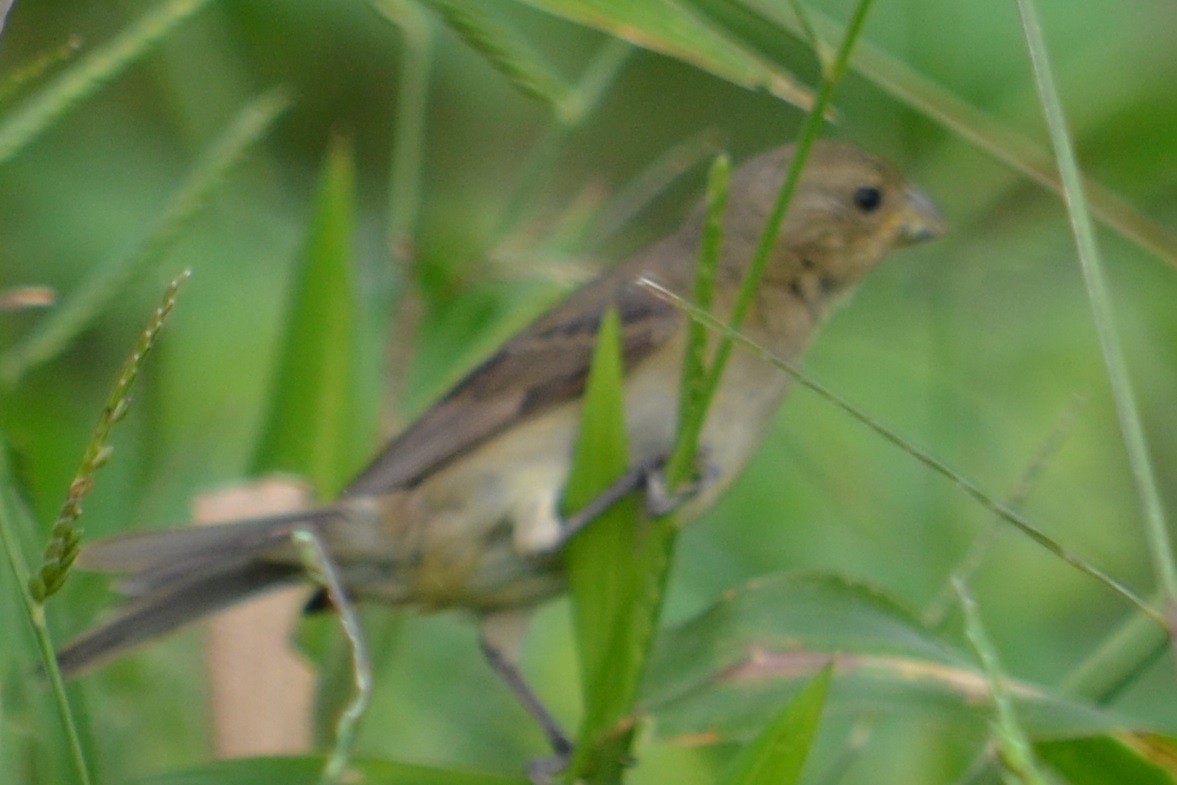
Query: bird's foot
{"x":648,"y":477}
{"x":660,"y":500}
{"x":543,"y":771}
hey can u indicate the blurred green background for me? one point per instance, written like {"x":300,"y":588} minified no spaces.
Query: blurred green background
{"x":979,"y":346}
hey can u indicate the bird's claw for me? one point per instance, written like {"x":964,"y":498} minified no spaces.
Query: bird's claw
{"x":660,"y":500}
{"x":543,"y":771}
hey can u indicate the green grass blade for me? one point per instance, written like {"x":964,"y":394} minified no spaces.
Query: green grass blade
{"x":689,"y":431}
{"x":758,"y":32}
{"x":312,"y":427}
{"x":1013,"y":748}
{"x":11,"y":515}
{"x":82,"y":306}
{"x":1118,"y":661}
{"x":508,"y":52}
{"x":968,"y":487}
{"x":968,"y":566}
{"x":35,"y":69}
{"x":607,"y":571}
{"x":721,"y":675}
{"x":967,"y":122}
{"x":693,"y":400}
{"x":408,"y":137}
{"x":1107,"y":760}
{"x":65,"y":534}
{"x":305,"y":770}
{"x":675,"y":31}
{"x":778,"y":754}
{"x":91,"y":73}
{"x":1156,"y":528}
{"x":600,"y":457}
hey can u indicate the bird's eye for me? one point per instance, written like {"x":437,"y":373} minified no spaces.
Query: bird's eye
{"x":868,"y":198}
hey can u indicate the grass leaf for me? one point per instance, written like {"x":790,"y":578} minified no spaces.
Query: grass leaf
{"x":306,"y":770}
{"x":1109,"y":760}
{"x":605,"y":569}
{"x":82,"y":306}
{"x":312,"y":428}
{"x":777,"y":755}
{"x":1155,"y":528}
{"x":969,"y":123}
{"x":669,"y":28}
{"x":1013,"y":747}
{"x":967,"y":486}
{"x":508,"y":52}
{"x":722,"y":674}
{"x":91,"y":73}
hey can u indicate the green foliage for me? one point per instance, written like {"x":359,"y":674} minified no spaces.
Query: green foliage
{"x":106,"y":283}
{"x":316,"y":382}
{"x":87,"y":76}
{"x":658,"y":25}
{"x":1127,"y":412}
{"x":776,"y":756}
{"x":722,"y":674}
{"x":65,"y":535}
{"x":297,"y":771}
{"x":1105,"y":760}
{"x":970,"y":346}
{"x":614,"y":601}
{"x":508,"y":52}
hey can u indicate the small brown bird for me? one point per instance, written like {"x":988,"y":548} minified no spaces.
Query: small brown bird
{"x":462,"y":508}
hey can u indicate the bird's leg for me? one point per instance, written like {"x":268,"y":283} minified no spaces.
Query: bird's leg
{"x":501,"y":632}
{"x":499,"y":636}
{"x":624,"y":485}
{"x":648,"y":477}
{"x":509,"y":672}
{"x":660,"y":500}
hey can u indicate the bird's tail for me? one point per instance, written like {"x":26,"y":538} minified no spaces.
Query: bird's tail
{"x":176,"y":576}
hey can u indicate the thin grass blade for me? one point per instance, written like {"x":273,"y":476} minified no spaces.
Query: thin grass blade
{"x":81,"y":307}
{"x":312,"y":428}
{"x":91,"y":73}
{"x":1156,"y":528}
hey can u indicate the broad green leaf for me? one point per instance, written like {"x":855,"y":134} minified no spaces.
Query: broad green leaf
{"x":1105,"y":760}
{"x":312,"y":425}
{"x":722,"y":675}
{"x":600,"y":458}
{"x":306,"y":770}
{"x":668,"y":27}
{"x":602,"y":569}
{"x":778,"y":754}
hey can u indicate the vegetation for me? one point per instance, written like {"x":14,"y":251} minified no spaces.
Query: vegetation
{"x":370,"y":195}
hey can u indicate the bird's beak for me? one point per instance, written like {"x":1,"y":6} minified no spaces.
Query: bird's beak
{"x":919,"y":219}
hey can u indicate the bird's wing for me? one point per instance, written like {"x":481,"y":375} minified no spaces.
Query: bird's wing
{"x":544,"y":365}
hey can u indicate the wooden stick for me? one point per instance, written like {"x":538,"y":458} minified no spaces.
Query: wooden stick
{"x":260,"y":691}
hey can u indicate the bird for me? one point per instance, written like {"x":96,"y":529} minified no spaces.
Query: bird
{"x":462,"y":509}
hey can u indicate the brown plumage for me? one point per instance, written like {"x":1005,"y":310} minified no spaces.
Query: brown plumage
{"x":461,"y":508}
